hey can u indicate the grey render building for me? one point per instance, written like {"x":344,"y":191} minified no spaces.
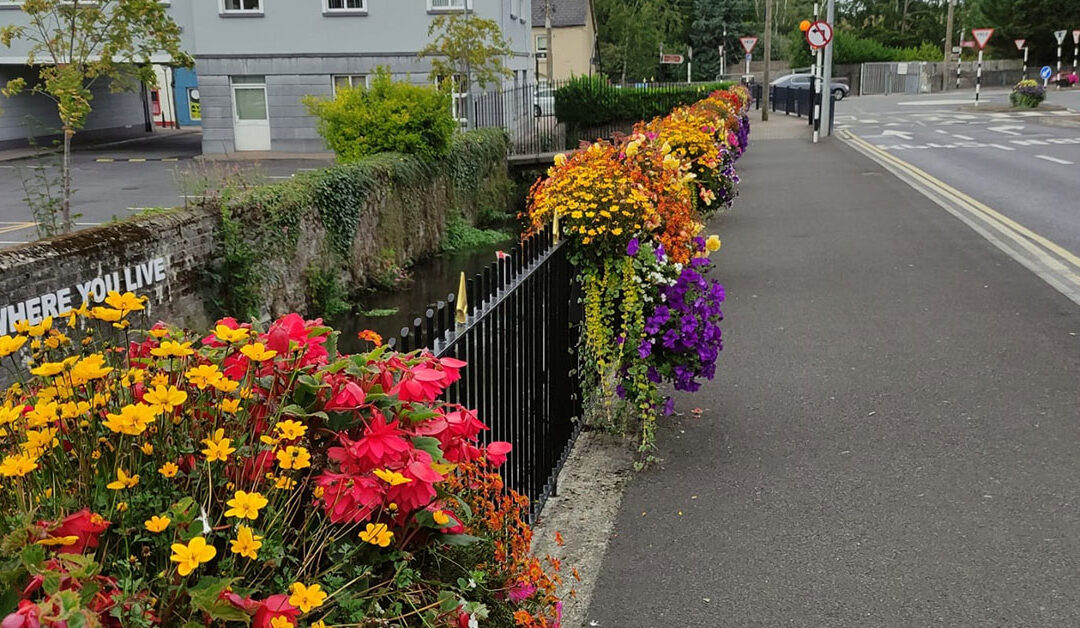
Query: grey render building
{"x":256,"y":59}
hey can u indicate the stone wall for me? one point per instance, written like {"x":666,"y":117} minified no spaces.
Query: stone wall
{"x":161,"y":256}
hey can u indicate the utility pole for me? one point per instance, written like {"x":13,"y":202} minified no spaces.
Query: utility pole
{"x":948,"y":42}
{"x":768,"y":57}
{"x":826,"y":78}
{"x":550,"y":46}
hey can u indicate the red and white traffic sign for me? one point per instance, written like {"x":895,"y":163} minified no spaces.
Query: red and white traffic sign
{"x":1076,"y":37}
{"x":982,"y":35}
{"x":1060,"y":36}
{"x":1019,"y":43}
{"x":819,"y":34}
{"x":748,"y":43}
{"x":671,"y":59}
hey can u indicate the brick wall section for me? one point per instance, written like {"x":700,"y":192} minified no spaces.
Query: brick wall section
{"x":185,"y":238}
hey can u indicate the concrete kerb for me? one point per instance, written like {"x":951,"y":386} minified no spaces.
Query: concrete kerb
{"x":15,"y":154}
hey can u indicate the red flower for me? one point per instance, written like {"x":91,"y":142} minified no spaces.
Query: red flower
{"x":348,"y":397}
{"x":348,"y":498}
{"x":420,"y":383}
{"x":496,"y":452}
{"x":84,"y":525}
{"x":382,"y":443}
{"x":26,"y":616}
{"x":273,"y":607}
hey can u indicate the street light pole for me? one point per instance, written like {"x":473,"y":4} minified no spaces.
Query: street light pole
{"x":948,"y":41}
{"x":768,"y":57}
{"x":826,"y":78}
{"x":550,"y":44}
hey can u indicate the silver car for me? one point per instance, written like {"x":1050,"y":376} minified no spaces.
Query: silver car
{"x":544,"y":102}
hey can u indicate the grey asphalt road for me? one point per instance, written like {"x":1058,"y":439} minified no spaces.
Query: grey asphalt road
{"x":891,"y":438}
{"x":1024,"y":165}
{"x":110,"y":190}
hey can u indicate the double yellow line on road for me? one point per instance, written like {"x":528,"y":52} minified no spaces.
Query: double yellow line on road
{"x":1055,"y":264}
{"x":16,"y":226}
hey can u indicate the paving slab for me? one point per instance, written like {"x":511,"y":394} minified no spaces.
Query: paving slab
{"x":892,"y":436}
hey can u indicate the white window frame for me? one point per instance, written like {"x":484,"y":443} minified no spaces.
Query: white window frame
{"x":223,"y":11}
{"x":362,"y":10}
{"x":450,"y":9}
{"x":352,"y":78}
{"x":536,"y":43}
{"x":515,"y":9}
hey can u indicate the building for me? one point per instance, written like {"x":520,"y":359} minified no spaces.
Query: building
{"x":573,"y":34}
{"x":255,"y":60}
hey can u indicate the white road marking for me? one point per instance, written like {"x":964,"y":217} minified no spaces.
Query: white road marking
{"x":1054,"y":159}
{"x":924,"y":103}
{"x":1007,"y":129}
{"x":963,"y":137}
{"x":1002,"y":147}
{"x":942,"y":131}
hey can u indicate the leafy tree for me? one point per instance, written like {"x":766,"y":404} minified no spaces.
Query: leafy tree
{"x":630,"y":32}
{"x":467,"y":46}
{"x":707,"y":24}
{"x":1034,"y":20}
{"x":76,"y":43}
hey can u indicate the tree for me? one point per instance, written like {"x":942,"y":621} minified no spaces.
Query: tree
{"x":630,"y":33}
{"x":708,"y":22}
{"x":1034,"y":20}
{"x":76,"y":43}
{"x":467,"y":46}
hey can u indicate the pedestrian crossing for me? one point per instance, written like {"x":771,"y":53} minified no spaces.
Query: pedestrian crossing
{"x":945,"y":118}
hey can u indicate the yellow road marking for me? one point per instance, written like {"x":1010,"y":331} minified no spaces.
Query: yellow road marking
{"x":1008,"y":227}
{"x":170,"y":159}
{"x":104,"y":159}
{"x":17,"y":227}
{"x":139,"y":159}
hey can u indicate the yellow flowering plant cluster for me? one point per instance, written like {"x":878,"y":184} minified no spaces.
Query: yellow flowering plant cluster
{"x":246,"y":476}
{"x":673,"y":171}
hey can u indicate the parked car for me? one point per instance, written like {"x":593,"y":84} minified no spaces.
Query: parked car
{"x":544,"y":102}
{"x":839,"y":90}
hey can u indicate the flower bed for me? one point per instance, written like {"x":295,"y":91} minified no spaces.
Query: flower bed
{"x":1027,"y":93}
{"x":249,"y":477}
{"x":634,"y":211}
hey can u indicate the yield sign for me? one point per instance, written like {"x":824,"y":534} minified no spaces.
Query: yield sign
{"x":748,"y":43}
{"x":1076,"y":37}
{"x":982,"y":35}
{"x":1060,"y":35}
{"x":1019,"y":43}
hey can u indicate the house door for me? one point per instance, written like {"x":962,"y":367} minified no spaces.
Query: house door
{"x":251,"y":120}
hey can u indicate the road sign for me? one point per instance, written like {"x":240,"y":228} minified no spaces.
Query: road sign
{"x":1060,"y":36}
{"x":1045,"y":72}
{"x":819,"y":34}
{"x":982,"y":35}
{"x":1019,"y":43}
{"x":957,"y":49}
{"x":1076,"y":37}
{"x":671,"y":59}
{"x":748,"y":43}
{"x":967,"y":44}
{"x":749,"y":57}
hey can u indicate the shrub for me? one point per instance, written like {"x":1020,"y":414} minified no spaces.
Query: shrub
{"x":591,"y":101}
{"x":1027,"y":93}
{"x":388,"y":116}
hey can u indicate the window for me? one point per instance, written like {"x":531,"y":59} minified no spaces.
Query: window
{"x":541,"y":43}
{"x":515,"y":9}
{"x":437,"y":6}
{"x":242,"y":7}
{"x":349,"y":80}
{"x":459,"y":101}
{"x":351,"y":7}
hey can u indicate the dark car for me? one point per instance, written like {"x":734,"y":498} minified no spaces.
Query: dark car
{"x":839,"y":90}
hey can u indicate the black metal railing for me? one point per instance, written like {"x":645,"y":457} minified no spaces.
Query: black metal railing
{"x":799,"y":101}
{"x":519,"y":339}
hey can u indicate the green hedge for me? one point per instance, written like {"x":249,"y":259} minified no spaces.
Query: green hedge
{"x":591,"y":101}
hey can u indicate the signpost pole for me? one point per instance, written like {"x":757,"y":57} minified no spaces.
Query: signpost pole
{"x":723,"y":57}
{"x":959,"y":59}
{"x":1076,"y":47}
{"x":1025,"y":61}
{"x":1060,"y":37}
{"x":948,"y":40}
{"x":748,"y":57}
{"x":978,"y":78}
{"x":826,"y":75}
{"x":815,"y":77}
{"x":689,"y":62}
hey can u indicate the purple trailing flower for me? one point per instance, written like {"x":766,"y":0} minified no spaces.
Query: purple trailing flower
{"x":669,"y":406}
{"x":660,"y":253}
{"x":632,"y":247}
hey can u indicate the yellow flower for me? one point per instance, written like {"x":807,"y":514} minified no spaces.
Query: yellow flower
{"x":441,"y":517}
{"x":147,"y":448}
{"x":230,"y":406}
{"x":159,"y":379}
{"x":37,"y":441}
{"x":189,"y":557}
{"x":8,"y":414}
{"x":224,"y":384}
{"x":217,"y":446}
{"x":17,"y":465}
{"x":48,"y":369}
{"x":169,"y":469}
{"x":123,"y":480}
{"x":127,"y":302}
{"x":172,"y":349}
{"x":318,"y":492}
{"x":247,"y":543}
{"x":285,"y":483}
{"x":246,"y":505}
{"x":306,"y":598}
{"x":42,"y":414}
{"x":59,"y":540}
{"x":319,"y":624}
{"x":257,"y":352}
{"x":560,"y":159}
{"x":157,"y":524}
{"x":165,"y":398}
{"x":203,"y":375}
{"x":106,"y":314}
{"x":122,"y":507}
{"x":89,"y":368}
{"x":35,"y":330}
{"x":95,"y":455}
{"x":377,"y":534}
{"x":158,"y":333}
{"x":281,"y":622}
{"x":9,"y":345}
{"x":392,"y":478}
{"x":294,"y":458}
{"x":132,"y":420}
{"x":225,"y":334}
{"x":290,"y":429}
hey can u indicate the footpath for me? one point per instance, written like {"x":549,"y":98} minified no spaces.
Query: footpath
{"x":893,"y":436}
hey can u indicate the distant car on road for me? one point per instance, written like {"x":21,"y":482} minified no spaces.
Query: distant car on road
{"x":544,"y":102}
{"x":839,"y":90}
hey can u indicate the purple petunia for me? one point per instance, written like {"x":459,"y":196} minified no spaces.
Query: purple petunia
{"x":632,"y":247}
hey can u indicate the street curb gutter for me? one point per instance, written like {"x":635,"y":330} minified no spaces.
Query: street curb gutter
{"x":1050,"y":261}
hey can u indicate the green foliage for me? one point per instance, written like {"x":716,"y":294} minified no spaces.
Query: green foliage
{"x":326,"y":296}
{"x":478,"y":173}
{"x":709,"y":20}
{"x":1035,"y":20}
{"x":629,"y":36}
{"x":849,"y":48}
{"x":388,"y":116}
{"x":591,"y":101}
{"x":233,"y":278}
{"x":467,"y":46}
{"x":462,"y":236}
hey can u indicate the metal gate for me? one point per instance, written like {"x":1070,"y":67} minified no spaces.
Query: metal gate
{"x":894,"y":78}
